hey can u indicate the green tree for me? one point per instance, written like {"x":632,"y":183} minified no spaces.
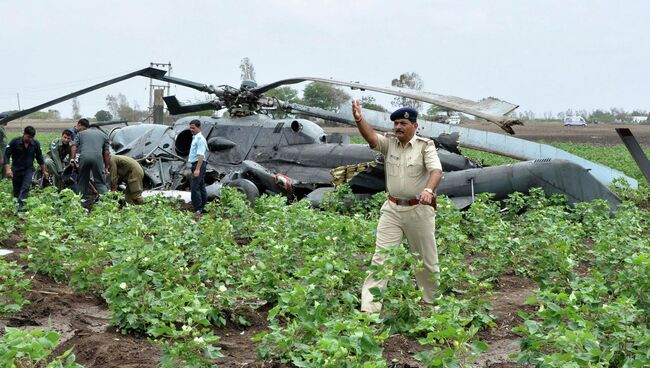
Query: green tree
{"x":75,"y":109}
{"x":434,"y":110}
{"x":410,"y":80}
{"x":49,"y":114}
{"x":247,"y":69}
{"x":103,"y":115}
{"x":323,"y":95}
{"x":113,"y":104}
{"x":286,"y":94}
{"x":119,"y":107}
{"x":369,"y":102}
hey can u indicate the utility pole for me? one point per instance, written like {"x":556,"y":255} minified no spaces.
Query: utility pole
{"x":156,"y":106}
{"x":18,"y":97}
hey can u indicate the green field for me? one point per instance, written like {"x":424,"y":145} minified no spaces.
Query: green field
{"x":179,"y":280}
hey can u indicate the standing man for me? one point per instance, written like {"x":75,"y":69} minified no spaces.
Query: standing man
{"x":81,"y":123}
{"x":22,"y":151}
{"x":197,"y":159}
{"x":126,"y":169}
{"x":58,"y":157}
{"x":413,"y":172}
{"x":94,"y":161}
{"x":3,"y":146}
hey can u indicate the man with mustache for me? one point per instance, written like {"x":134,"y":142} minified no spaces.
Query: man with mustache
{"x":413,"y":172}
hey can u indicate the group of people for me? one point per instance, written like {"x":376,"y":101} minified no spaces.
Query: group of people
{"x":413,"y":173}
{"x":80,"y":160}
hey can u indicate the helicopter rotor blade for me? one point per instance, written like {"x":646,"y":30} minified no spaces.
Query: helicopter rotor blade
{"x":490,"y":109}
{"x":146,"y":72}
{"x":318,"y":113}
{"x":186,"y":83}
{"x":470,"y":138}
{"x":175,"y":107}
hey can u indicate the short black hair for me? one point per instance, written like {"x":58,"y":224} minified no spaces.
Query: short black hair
{"x":196,"y":123}
{"x":84,"y":122}
{"x":67,"y":132}
{"x":29,"y":130}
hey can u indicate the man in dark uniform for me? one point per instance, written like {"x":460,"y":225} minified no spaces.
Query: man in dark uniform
{"x":3,"y":146}
{"x":94,"y":161}
{"x":22,"y":151}
{"x":58,"y":157}
{"x":413,"y":172}
{"x":125,"y":169}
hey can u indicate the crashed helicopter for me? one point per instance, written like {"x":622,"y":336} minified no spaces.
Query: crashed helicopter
{"x":250,"y":150}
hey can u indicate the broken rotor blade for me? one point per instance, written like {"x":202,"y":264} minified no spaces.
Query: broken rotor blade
{"x":318,"y":112}
{"x":500,"y":144}
{"x":175,"y":107}
{"x":490,"y":109}
{"x":635,"y":150}
{"x":146,"y":72}
{"x":186,"y":83}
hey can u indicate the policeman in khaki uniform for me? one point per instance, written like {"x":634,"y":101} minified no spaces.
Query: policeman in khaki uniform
{"x":413,"y":172}
{"x":126,"y":169}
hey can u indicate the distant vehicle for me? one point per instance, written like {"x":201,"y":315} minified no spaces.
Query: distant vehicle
{"x":453,"y":119}
{"x":575,"y":121}
{"x":447,"y":118}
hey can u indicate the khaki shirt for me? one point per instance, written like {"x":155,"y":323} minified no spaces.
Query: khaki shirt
{"x":408,"y":166}
{"x":124,"y":168}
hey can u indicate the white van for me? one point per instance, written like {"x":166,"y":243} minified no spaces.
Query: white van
{"x":575,"y":121}
{"x":453,"y":119}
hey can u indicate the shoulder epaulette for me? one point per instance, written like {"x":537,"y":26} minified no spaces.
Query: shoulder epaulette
{"x":423,"y":139}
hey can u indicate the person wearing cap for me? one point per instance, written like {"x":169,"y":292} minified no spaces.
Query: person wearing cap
{"x":21,"y":151}
{"x":58,"y":156}
{"x":413,"y":172}
{"x":125,"y":169}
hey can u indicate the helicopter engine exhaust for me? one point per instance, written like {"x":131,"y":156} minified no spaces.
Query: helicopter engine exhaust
{"x":183,"y":143}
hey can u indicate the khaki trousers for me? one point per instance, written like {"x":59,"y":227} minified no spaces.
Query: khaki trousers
{"x":133,"y":192}
{"x":417,"y":223}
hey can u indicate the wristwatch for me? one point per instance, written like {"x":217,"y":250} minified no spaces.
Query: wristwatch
{"x":428,"y":190}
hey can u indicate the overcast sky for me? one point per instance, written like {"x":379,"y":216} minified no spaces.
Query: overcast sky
{"x":542,"y":55}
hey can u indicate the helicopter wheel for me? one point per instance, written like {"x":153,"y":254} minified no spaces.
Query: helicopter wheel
{"x":247,"y":187}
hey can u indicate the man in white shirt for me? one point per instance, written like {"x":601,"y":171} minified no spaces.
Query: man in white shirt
{"x":197,"y":159}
